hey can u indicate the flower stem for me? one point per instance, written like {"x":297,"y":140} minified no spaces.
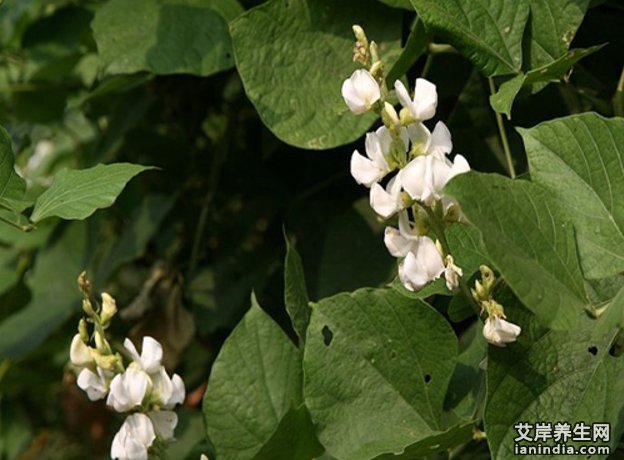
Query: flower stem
{"x":503,"y":134}
{"x":438,"y":228}
{"x":618,"y":98}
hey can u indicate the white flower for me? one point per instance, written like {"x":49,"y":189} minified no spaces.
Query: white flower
{"x":426,"y":175}
{"x":499,"y":332}
{"x":128,"y":390}
{"x":360,"y":91}
{"x":95,"y":385}
{"x":425,"y":101}
{"x":402,"y":240}
{"x":109,"y":307}
{"x":421,"y":266}
{"x":164,"y":422}
{"x":167,"y":391}
{"x":79,"y":353}
{"x":151,"y":354}
{"x":133,"y":439}
{"x":452,"y":273}
{"x":440,"y":143}
{"x":387,"y":201}
{"x":368,"y":171}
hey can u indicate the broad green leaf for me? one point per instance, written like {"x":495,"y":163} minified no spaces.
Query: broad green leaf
{"x":296,"y":292}
{"x":580,"y":161}
{"x":254,"y":383}
{"x":294,"y":438}
{"x":76,"y":194}
{"x":165,"y":36}
{"x":553,"y":71}
{"x":550,"y":30}
{"x":454,"y":436}
{"x":554,"y":377}
{"x":293,"y":56}
{"x":489,"y":33}
{"x":54,"y":293}
{"x":530,"y":241}
{"x":376,"y":367}
{"x":353,"y":254}
{"x":12,"y":186}
{"x":405,"y":4}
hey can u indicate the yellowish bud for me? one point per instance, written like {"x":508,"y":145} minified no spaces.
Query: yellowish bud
{"x":109,"y":309}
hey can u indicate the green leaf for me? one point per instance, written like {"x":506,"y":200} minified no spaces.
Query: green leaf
{"x":254,"y":383}
{"x":488,"y":33}
{"x":530,"y":241}
{"x":165,"y":36}
{"x":295,"y":292}
{"x":405,"y":4}
{"x":580,"y":161}
{"x":76,"y":194}
{"x":376,"y":367}
{"x":54,"y":293}
{"x":555,"y":376}
{"x":294,"y":438}
{"x":454,"y":436}
{"x":12,"y":186}
{"x":550,"y":30}
{"x":293,"y":56}
{"x":553,"y":71}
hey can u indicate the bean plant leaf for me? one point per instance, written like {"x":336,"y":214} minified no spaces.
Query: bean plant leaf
{"x":376,"y":367}
{"x":165,"y":36}
{"x":489,"y":33}
{"x":551,"y":28}
{"x":293,"y":56}
{"x":54,"y":293}
{"x":296,"y":292}
{"x":580,"y":161}
{"x":254,"y":383}
{"x":556,"y":377}
{"x":12,"y":186}
{"x":529,"y":240}
{"x":76,"y":194}
{"x":553,"y":71}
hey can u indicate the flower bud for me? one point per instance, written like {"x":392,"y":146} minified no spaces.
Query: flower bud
{"x":87,"y":307}
{"x":452,"y":273}
{"x":391,"y":119}
{"x":377,"y":70}
{"x":481,"y":293}
{"x":83,"y":330}
{"x":361,"y":51}
{"x":109,"y":309}
{"x":106,"y":362}
{"x":374,"y":53}
{"x":84,"y":284}
{"x":487,"y":277}
{"x":79,"y":353}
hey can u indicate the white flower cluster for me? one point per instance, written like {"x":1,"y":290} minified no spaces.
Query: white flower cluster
{"x":143,"y":388}
{"x":418,"y":161}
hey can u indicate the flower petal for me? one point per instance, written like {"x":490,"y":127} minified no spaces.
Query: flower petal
{"x":151,"y":354}
{"x":397,"y":245}
{"x":425,"y":99}
{"x":365,"y":171}
{"x":441,"y":143}
{"x":165,"y":422}
{"x":430,"y":258}
{"x":402,"y":94}
{"x":412,"y":177}
{"x":141,"y":428}
{"x":79,"y":353}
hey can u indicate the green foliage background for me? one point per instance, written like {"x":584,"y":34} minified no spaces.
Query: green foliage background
{"x":234,"y":109}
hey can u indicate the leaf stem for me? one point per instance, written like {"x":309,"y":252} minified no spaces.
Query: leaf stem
{"x":427,"y":66}
{"x":23,"y":228}
{"x":503,"y":134}
{"x":440,"y":48}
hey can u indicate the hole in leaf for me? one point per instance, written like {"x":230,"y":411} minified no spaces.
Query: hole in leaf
{"x":228,"y":55}
{"x":593,"y":350}
{"x":328,"y":335}
{"x":427,"y":378}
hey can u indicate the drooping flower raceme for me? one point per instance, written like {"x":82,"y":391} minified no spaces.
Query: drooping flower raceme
{"x":417,"y":162}
{"x":142,"y":388}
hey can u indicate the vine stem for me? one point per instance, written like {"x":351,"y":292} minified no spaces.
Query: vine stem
{"x":503,"y":134}
{"x":438,"y":229}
